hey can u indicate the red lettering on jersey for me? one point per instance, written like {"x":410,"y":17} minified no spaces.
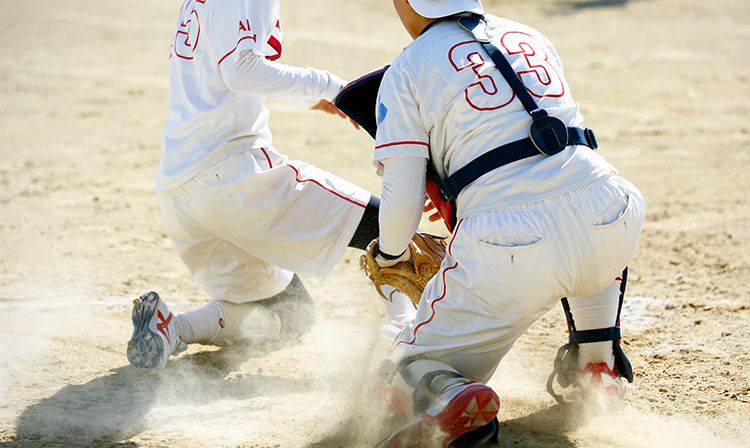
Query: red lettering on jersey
{"x":540,"y":70}
{"x":483,"y":94}
{"x":244,"y":28}
{"x":190,"y":4}
{"x":188,"y":32}
{"x":540,"y":76}
{"x":274,"y":43}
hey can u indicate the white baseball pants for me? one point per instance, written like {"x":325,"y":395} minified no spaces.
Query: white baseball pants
{"x":506,"y":268}
{"x":246,"y":224}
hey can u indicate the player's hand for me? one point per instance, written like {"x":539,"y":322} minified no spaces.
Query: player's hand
{"x":330,"y":108}
{"x":428,"y":207}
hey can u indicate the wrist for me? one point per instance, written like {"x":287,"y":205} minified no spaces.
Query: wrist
{"x":386,"y":260}
{"x":332,"y":87}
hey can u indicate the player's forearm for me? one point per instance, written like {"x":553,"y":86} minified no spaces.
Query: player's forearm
{"x":401,"y":203}
{"x":255,"y":74}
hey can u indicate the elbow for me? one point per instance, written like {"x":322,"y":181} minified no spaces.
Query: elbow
{"x":237,"y":74}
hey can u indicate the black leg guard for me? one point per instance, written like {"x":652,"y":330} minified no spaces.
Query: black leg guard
{"x":566,"y":362}
{"x":369,"y":227}
{"x":295,"y":309}
{"x":621,"y":359}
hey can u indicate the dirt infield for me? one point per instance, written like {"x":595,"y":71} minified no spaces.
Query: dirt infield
{"x":83,"y":87}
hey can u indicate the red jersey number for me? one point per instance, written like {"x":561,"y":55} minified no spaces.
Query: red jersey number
{"x":541,"y":78}
{"x":490,"y":91}
{"x":188,"y":31}
{"x":484,"y":93}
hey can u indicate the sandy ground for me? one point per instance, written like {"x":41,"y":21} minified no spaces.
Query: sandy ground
{"x":83,"y":90}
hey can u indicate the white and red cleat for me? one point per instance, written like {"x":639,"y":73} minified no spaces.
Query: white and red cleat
{"x":459,"y":409}
{"x":154,"y":337}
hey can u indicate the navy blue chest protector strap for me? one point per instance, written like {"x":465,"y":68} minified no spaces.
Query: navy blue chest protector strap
{"x":547,"y":135}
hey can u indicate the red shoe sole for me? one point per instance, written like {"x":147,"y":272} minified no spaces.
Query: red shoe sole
{"x":472,"y":408}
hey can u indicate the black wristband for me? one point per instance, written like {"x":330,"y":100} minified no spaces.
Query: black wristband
{"x":386,"y":256}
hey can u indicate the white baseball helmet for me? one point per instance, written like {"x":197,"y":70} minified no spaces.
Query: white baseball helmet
{"x":433,"y":9}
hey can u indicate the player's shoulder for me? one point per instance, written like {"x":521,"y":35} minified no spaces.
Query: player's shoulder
{"x":404,"y":63}
{"x":431,"y":45}
{"x":505,"y":23}
{"x":500,"y":25}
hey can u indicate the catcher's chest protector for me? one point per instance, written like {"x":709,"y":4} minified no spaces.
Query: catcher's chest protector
{"x":446,"y":208}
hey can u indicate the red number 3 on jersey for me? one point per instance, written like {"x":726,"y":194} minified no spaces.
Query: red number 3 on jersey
{"x":490,"y":91}
{"x":541,"y":78}
{"x":188,"y":30}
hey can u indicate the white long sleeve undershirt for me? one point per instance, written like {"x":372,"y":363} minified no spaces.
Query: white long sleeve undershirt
{"x":402,"y":202}
{"x":255,"y":74}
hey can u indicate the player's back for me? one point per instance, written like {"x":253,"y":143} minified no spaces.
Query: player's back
{"x":468,"y":109}
{"x":207,"y":120}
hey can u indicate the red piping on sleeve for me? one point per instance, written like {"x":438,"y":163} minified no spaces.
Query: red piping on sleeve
{"x":235,"y":47}
{"x":386,"y":145}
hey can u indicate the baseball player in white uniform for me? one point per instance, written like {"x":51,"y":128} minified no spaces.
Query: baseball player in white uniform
{"x":243,"y":217}
{"x":529,"y":228}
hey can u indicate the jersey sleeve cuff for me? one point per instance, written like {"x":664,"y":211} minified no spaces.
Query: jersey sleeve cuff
{"x":402,"y":149}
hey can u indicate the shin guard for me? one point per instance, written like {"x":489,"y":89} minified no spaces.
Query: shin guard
{"x":566,"y":362}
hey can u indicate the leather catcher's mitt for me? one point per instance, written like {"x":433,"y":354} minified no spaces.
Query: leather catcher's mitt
{"x":410,"y":277}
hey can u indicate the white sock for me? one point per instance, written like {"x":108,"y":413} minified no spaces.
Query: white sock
{"x":220,"y":323}
{"x":248,"y":322}
{"x":596,"y":311}
{"x":201,"y":325}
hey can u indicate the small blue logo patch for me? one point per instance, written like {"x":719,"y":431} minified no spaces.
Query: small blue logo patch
{"x":382,"y":113}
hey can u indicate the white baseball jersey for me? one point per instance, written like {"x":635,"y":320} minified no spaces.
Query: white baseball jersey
{"x":443,"y":98}
{"x":222,"y":65}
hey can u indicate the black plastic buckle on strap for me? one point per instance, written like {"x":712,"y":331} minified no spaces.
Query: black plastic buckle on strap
{"x":548,"y":134}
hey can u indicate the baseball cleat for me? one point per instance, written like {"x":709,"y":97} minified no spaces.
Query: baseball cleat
{"x":154,"y":337}
{"x":460,"y":409}
{"x":597,"y":380}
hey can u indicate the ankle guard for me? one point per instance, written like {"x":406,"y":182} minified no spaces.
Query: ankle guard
{"x":566,"y":362}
